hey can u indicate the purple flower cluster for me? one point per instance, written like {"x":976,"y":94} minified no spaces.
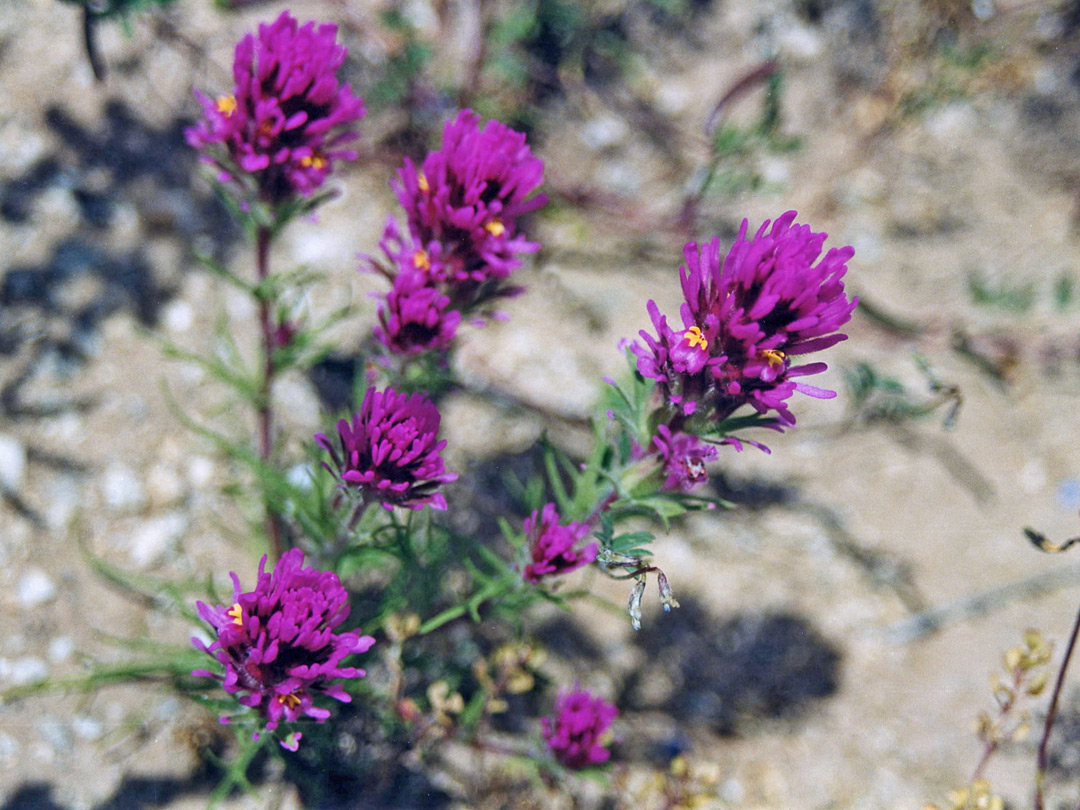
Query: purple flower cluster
{"x":464,"y":201}
{"x":278,"y":642}
{"x":391,"y":452}
{"x":287,"y":118}
{"x":462,"y":207}
{"x":576,"y":734}
{"x":416,"y":317}
{"x":744,"y":320}
{"x":683,"y":457}
{"x":552,"y":545}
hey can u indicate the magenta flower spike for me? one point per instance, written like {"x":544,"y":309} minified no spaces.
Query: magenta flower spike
{"x":287,"y":118}
{"x":416,"y":316}
{"x":464,"y":201}
{"x":552,"y":545}
{"x":278,"y":643}
{"x":391,"y":452}
{"x":576,"y":734}
{"x":746,"y":318}
{"x":683,"y":457}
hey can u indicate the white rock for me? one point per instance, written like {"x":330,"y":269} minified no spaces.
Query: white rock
{"x":86,"y":727}
{"x":297,"y":404}
{"x":60,"y":649}
{"x":27,"y":670}
{"x":9,"y":747}
{"x":200,"y":471}
{"x":64,"y":498}
{"x":58,"y":206}
{"x":55,"y":732}
{"x":801,"y":43}
{"x":121,"y":489}
{"x":35,"y":589}
{"x":154,"y":538}
{"x":299,"y":476}
{"x":179,"y":316}
{"x":604,"y":132}
{"x":165,"y":486}
{"x":12,"y":463}
{"x":1033,"y":477}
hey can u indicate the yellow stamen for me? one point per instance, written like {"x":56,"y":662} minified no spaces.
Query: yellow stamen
{"x":495,"y":227}
{"x":421,"y":260}
{"x":422,"y":183}
{"x":290,"y":700}
{"x":313,"y":161}
{"x":226,"y":105}
{"x":695,"y":338}
{"x":237,"y":614}
{"x":774,"y":357}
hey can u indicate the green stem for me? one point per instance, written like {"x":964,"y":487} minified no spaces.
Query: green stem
{"x":493,"y":589}
{"x":236,"y":771}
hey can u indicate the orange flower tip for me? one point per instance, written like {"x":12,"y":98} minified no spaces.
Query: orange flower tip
{"x":422,"y":183}
{"x":290,"y":700}
{"x":226,"y":104}
{"x":237,"y":614}
{"x":421,"y":260}
{"x":774,"y":357}
{"x":495,"y":227}
{"x":695,"y":338}
{"x":313,"y":162}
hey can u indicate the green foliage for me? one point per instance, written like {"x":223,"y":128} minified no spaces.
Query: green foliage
{"x":1012,"y":297}
{"x":880,"y":398}
{"x":404,"y":69}
{"x":1021,"y":297}
{"x":951,"y":78}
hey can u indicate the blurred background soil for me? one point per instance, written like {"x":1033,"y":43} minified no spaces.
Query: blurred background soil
{"x":838,"y":627}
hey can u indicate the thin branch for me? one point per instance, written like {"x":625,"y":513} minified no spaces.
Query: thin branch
{"x":1051,"y":714}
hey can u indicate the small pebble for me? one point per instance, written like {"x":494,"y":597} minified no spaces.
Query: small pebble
{"x":64,"y":498}
{"x":55,"y":732}
{"x":299,"y":476}
{"x":1068,"y":494}
{"x":60,"y":649}
{"x":9,"y":747}
{"x":200,"y":471}
{"x":35,"y":589}
{"x":121,"y":489}
{"x":164,"y":486}
{"x":153,"y":539}
{"x":86,"y":727}
{"x":1032,"y":477}
{"x":12,"y":463}
{"x":605,"y":132}
{"x":27,"y":670}
{"x":179,"y":316}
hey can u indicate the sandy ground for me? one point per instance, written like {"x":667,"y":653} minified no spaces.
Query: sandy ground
{"x":854,"y":526}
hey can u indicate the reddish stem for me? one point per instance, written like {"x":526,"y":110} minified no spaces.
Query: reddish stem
{"x":265,"y":427}
{"x":1051,"y":714}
